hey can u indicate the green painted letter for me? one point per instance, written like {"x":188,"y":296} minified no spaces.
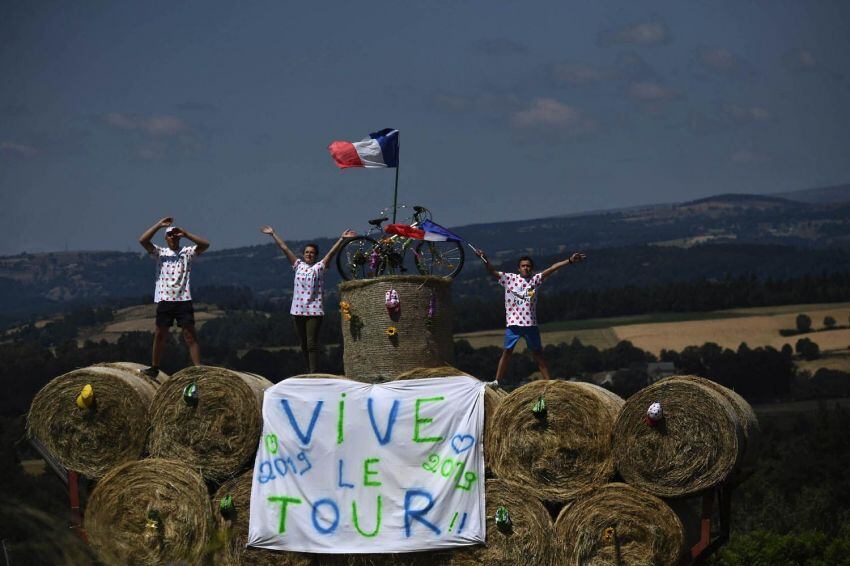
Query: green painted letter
{"x":284,"y":501}
{"x":419,"y":421}
{"x":357,"y":522}
{"x":367,"y":471}
{"x":339,"y":435}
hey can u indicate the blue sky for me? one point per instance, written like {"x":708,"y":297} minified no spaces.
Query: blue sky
{"x":114,"y":114}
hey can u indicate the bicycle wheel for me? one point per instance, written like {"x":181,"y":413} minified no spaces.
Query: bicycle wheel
{"x":355,"y":261}
{"x":441,"y":259}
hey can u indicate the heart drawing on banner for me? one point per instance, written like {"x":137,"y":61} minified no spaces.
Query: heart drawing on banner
{"x":462,"y":442}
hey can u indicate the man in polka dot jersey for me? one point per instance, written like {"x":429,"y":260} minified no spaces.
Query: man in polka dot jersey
{"x":307,"y":292}
{"x":172,"y":295}
{"x":521,"y":308}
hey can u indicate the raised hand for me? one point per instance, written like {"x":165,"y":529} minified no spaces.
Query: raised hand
{"x":267,"y":230}
{"x":577,"y":257}
{"x":348,"y":234}
{"x":165,"y":222}
{"x":177,"y":233}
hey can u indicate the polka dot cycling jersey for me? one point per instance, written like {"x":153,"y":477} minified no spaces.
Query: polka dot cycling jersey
{"x":520,"y":298}
{"x":307,"y":289}
{"x":173,"y":270}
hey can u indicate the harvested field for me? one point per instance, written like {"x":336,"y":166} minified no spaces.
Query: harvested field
{"x":602,"y":338}
{"x":141,"y":318}
{"x":759,"y":330}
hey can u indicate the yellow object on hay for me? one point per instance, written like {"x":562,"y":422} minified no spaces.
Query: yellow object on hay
{"x":86,"y":397}
{"x":558,"y":451}
{"x":618,"y":524}
{"x":111,"y":430}
{"x":151,"y":511}
{"x":707,"y":434}
{"x":219,"y":431}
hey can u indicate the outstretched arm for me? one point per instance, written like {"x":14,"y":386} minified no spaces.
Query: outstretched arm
{"x":487,"y":264}
{"x":577,"y":257}
{"x":145,"y":238}
{"x":280,"y":243}
{"x":202,"y":244}
{"x":337,"y":245}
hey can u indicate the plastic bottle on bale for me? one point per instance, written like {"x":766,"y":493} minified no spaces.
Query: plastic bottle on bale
{"x":210,"y":418}
{"x":554,"y":437}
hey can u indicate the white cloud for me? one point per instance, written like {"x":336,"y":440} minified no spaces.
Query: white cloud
{"x":800,"y":60}
{"x":161,"y":125}
{"x":723,"y":61}
{"x":578,"y":73}
{"x":746,"y":157}
{"x":18,"y":149}
{"x":652,"y":32}
{"x":549,"y":114}
{"x":650,"y":91}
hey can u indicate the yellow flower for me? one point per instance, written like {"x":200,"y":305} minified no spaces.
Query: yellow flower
{"x":531,"y":293}
{"x":346,"y":316}
{"x":391,"y":331}
{"x":343,"y":305}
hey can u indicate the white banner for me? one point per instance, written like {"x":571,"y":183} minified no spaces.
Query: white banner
{"x":348,"y":467}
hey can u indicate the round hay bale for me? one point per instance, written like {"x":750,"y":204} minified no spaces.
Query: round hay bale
{"x":219,"y":432}
{"x":557,"y":452}
{"x":111,"y":431}
{"x":369,"y":353}
{"x":150,"y":512}
{"x":528,"y":538}
{"x":704,"y":437}
{"x":233,"y":529}
{"x":618,"y":524}
{"x":492,"y":397}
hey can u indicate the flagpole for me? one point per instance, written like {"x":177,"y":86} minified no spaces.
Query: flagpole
{"x":395,"y":191}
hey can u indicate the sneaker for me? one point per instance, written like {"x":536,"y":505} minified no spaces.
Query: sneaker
{"x":150,"y":372}
{"x":492,"y":384}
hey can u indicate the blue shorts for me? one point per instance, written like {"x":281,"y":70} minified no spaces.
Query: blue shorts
{"x":530,"y":333}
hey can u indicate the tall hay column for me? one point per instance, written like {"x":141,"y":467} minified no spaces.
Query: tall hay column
{"x":218,"y":431}
{"x":110,"y":427}
{"x":707,"y":433}
{"x":371,"y":353}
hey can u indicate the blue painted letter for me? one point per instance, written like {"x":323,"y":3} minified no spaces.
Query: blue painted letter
{"x":390,"y":422}
{"x":305,"y":438}
{"x":334,"y":523}
{"x":417,"y":514}
{"x":341,"y":483}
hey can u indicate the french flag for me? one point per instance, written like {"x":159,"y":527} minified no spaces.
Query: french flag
{"x":428,"y":230}
{"x":380,"y":149}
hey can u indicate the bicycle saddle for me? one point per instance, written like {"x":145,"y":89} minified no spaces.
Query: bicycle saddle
{"x":378,"y":221}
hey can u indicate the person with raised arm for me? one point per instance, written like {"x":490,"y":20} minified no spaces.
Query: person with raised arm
{"x":521,"y":308}
{"x":172,"y":295}
{"x":307,"y":293}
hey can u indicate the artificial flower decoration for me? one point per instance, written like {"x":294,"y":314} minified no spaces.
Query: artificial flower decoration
{"x":391,"y":331}
{"x":531,"y":293}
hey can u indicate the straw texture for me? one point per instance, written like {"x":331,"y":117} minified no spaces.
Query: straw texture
{"x":219,"y":435}
{"x":561,"y":451}
{"x":119,"y":511}
{"x":704,"y":437}
{"x":112,"y":431}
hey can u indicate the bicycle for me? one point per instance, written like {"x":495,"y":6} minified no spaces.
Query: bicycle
{"x":366,"y":256}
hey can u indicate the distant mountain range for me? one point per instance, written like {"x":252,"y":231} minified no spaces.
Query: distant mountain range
{"x":782,"y":235}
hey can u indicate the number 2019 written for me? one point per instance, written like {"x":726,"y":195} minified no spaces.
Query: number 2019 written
{"x":448,"y":467}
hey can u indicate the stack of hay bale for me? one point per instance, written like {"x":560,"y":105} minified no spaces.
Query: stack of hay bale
{"x":173,"y":456}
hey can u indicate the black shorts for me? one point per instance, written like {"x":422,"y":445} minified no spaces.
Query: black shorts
{"x":169,"y":311}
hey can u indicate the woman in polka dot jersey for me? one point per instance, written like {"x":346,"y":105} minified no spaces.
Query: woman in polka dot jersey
{"x":306,"y":311}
